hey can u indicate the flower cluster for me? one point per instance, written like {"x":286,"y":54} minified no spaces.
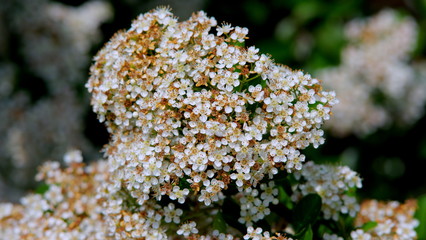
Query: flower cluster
{"x":65,"y":208}
{"x":258,"y":234}
{"x":69,"y":206}
{"x":193,"y":114}
{"x":394,"y":220}
{"x":334,"y":184}
{"x":254,"y":206}
{"x":205,"y":137}
{"x":375,"y":82}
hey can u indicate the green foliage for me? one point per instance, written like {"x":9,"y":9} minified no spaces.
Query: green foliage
{"x":42,"y":188}
{"x":369,"y":225}
{"x":219,"y":223}
{"x":309,"y":235}
{"x":284,"y":198}
{"x":421,"y":216}
{"x":306,"y":212}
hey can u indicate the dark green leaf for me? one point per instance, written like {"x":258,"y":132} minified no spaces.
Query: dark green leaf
{"x":309,"y":235}
{"x":284,"y":198}
{"x":219,"y":223}
{"x":42,"y":188}
{"x":306,"y":211}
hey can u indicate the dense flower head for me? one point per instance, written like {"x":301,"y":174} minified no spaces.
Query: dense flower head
{"x":334,"y":184}
{"x":64,"y":207}
{"x":394,"y":220}
{"x":376,"y":83}
{"x":194,"y":111}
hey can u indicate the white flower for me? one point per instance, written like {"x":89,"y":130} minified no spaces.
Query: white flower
{"x":224,"y":29}
{"x":332,"y":184}
{"x":73,"y":156}
{"x":5,"y":210}
{"x":172,"y":214}
{"x":239,"y":34}
{"x":240,"y":177}
{"x":359,"y":234}
{"x":328,"y":236}
{"x":187,"y":229}
{"x":179,"y":194}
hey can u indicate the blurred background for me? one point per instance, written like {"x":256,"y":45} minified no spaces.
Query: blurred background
{"x":372,"y":53}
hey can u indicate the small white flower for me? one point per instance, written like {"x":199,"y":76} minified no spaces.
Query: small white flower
{"x":187,"y":229}
{"x":73,"y":156}
{"x":171,"y":214}
{"x":224,"y":29}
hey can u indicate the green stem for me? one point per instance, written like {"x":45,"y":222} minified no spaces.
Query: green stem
{"x":250,"y":79}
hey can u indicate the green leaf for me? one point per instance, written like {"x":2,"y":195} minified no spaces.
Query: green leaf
{"x":306,"y":211}
{"x":219,"y":223}
{"x":369,"y":225}
{"x":421,"y":216}
{"x":309,"y":235}
{"x":42,"y":188}
{"x":284,"y":198}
